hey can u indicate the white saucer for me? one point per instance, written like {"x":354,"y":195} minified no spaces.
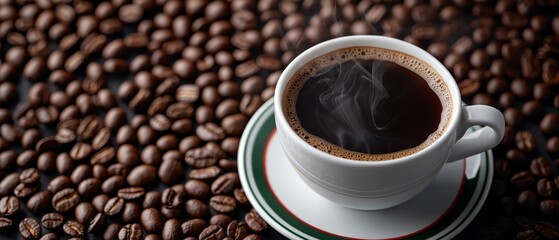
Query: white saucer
{"x":283,"y":200}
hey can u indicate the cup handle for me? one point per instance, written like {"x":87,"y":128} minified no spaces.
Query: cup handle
{"x":482,"y":139}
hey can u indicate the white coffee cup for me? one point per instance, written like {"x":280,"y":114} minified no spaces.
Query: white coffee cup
{"x":382,"y":184}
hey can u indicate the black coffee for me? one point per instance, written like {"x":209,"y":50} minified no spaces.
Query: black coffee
{"x":367,"y":104}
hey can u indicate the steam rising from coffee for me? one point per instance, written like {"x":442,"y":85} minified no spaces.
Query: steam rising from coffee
{"x":355,"y":100}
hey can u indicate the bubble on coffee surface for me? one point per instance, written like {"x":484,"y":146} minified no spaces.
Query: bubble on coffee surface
{"x":343,"y":98}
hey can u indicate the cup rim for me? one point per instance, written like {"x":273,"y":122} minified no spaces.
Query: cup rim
{"x":366,"y":41}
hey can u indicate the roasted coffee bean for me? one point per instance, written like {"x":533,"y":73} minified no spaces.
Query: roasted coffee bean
{"x":210,"y":96}
{"x":521,"y":88}
{"x":170,"y":171}
{"x":210,"y":132}
{"x":39,"y":202}
{"x":171,"y":198}
{"x":65,"y":200}
{"x":204,"y":114}
{"x":10,"y":133}
{"x":250,"y":103}
{"x":59,"y":183}
{"x":73,"y":229}
{"x":46,"y":162}
{"x":552,"y":145}
{"x":212,"y":232}
{"x":9,"y":206}
{"x":546,"y":188}
{"x":22,"y":190}
{"x":138,"y":121}
{"x":89,"y":126}
{"x":112,"y":231}
{"x":182,"y":126}
{"x":80,"y":151}
{"x":126,"y":91}
{"x":167,"y":142}
{"x":103,"y":156}
{"x":81,"y":173}
{"x":118,"y":169}
{"x":152,"y":237}
{"x":169,"y":213}
{"x":115,"y":118}
{"x":99,"y":202}
{"x":35,"y":69}
{"x":526,"y":141}
{"x":237,"y":230}
{"x":203,"y":156}
{"x":9,"y":183}
{"x":253,"y":237}
{"x":151,"y":220}
{"x":468,"y":87}
{"x":152,"y":200}
{"x":225,"y":183}
{"x":513,"y":117}
{"x":522,"y":179}
{"x":547,"y":230}
{"x":223,"y":203}
{"x":160,"y":123}
{"x":188,"y":93}
{"x":5,"y":224}
{"x":160,"y":104}
{"x":196,"y":208}
{"x":528,"y":234}
{"x":130,"y":232}
{"x":179,"y":189}
{"x":532,"y":108}
{"x":131,"y":212}
{"x":101,"y":173}
{"x":113,"y":184}
{"x":227,"y":164}
{"x":84,"y":212}
{"x":49,"y":236}
{"x":184,"y":69}
{"x":193,"y":227}
{"x":131,"y":193}
{"x":549,"y":207}
{"x":240,"y":196}
{"x":230,"y":145}
{"x":52,"y":220}
{"x":221,"y":220}
{"x":146,"y":135}
{"x":233,"y":125}
{"x":204,"y":173}
{"x":247,"y":69}
{"x":65,"y":136}
{"x":29,"y":228}
{"x":197,"y":189}
{"x":105,"y":98}
{"x":541,"y":167}
{"x":172,"y":230}
{"x":254,"y":222}
{"x":142,"y":176}
{"x":128,"y":155}
{"x":550,"y":123}
{"x":30,"y":138}
{"x":226,"y":108}
{"x":114,"y":206}
{"x":46,"y":115}
{"x":29,"y":176}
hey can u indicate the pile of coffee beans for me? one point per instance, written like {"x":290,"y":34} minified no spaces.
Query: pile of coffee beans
{"x":121,"y":119}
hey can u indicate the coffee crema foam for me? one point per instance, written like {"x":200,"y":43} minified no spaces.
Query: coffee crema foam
{"x":433,"y":79}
